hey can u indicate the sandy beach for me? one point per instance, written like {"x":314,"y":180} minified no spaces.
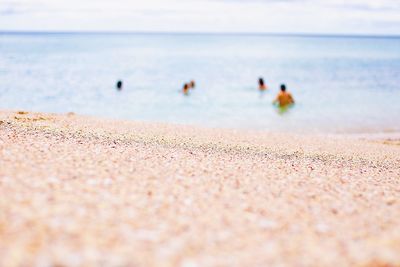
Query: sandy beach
{"x":82,"y":191}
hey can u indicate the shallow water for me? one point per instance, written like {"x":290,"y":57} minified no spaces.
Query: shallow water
{"x":349,"y":85}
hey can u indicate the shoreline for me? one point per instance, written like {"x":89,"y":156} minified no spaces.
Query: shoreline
{"x":366,"y":134}
{"x":78,"y":191}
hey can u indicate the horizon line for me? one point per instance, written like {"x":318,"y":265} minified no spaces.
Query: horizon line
{"x":272,"y":34}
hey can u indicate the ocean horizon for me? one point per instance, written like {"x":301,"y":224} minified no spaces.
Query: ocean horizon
{"x":269,"y":34}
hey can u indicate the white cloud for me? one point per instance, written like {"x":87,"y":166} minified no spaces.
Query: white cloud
{"x":313,"y":16}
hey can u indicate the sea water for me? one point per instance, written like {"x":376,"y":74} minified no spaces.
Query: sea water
{"x":340,"y":84}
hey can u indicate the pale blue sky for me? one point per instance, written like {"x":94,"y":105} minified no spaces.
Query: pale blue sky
{"x":281,"y":16}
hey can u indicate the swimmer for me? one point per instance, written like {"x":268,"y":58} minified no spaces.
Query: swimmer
{"x":119,"y":85}
{"x":192,"y":84}
{"x":185,"y":89}
{"x":261,"y":85}
{"x":284,"y":98}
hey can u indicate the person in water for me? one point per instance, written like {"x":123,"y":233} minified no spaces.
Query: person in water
{"x":261,"y":85}
{"x":119,"y":85}
{"x":192,"y":84}
{"x":185,"y":89}
{"x":284,"y":98}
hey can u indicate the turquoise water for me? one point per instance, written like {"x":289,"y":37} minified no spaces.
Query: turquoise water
{"x":340,"y":84}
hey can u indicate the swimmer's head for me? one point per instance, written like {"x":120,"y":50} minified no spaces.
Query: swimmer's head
{"x":186,"y":89}
{"x":261,"y":81}
{"x":119,"y":85}
{"x":283,"y":87}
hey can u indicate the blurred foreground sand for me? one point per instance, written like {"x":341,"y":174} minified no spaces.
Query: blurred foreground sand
{"x":79,"y":191}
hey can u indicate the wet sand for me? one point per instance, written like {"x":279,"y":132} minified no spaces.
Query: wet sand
{"x":81,"y":191}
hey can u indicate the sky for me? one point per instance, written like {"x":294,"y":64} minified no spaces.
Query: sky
{"x":377,"y":17}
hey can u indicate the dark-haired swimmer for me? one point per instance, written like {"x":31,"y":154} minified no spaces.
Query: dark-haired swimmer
{"x":119,"y":85}
{"x":185,"y":89}
{"x":284,"y":98}
{"x":261,"y":85}
{"x":192,"y":84}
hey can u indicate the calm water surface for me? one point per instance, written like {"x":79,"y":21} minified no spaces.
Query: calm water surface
{"x":346,"y":85}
